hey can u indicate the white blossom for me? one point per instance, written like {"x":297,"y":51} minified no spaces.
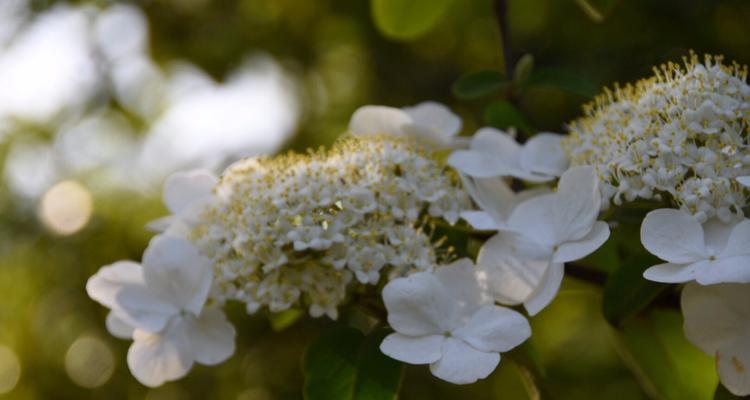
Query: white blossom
{"x":494,"y":153}
{"x":524,"y":261}
{"x":744,"y":180}
{"x":717,"y":320}
{"x":444,"y":319}
{"x":161,"y":305}
{"x":680,"y":136}
{"x":431,"y":122}
{"x":298,"y":229}
{"x":709,"y":253}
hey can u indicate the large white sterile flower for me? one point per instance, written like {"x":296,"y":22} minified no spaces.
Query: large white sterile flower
{"x":744,"y":180}
{"x":161,"y":306}
{"x":717,"y":320}
{"x":183,"y":192}
{"x":444,"y":319}
{"x":523,"y":263}
{"x":494,"y":153}
{"x":713,"y":252}
{"x":496,"y":201}
{"x":431,"y":122}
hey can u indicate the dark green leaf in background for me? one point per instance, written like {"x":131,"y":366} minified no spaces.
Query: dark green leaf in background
{"x":503,"y":114}
{"x":668,"y":366}
{"x":626,"y":292}
{"x":343,"y":364}
{"x":723,"y":394}
{"x":408,"y":19}
{"x":562,"y":79}
{"x":480,"y":83}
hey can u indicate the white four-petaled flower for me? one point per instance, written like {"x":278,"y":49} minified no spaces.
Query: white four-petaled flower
{"x":161,"y":305}
{"x":444,"y":319}
{"x":709,"y":253}
{"x":717,"y":320}
{"x":494,"y":153}
{"x":431,"y":122}
{"x":524,"y":261}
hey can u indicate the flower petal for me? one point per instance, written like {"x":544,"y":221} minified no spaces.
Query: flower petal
{"x":459,"y":279}
{"x":543,"y":154}
{"x":174,"y":270}
{"x":738,"y":243}
{"x":492,"y":153}
{"x":744,"y":180}
{"x":418,"y":305}
{"x":462,"y":364}
{"x":534,"y":218}
{"x":480,"y":220}
{"x":672,"y":273}
{"x":510,"y":267}
{"x":120,"y":287}
{"x":733,"y":365}
{"x":724,"y":270}
{"x":182,"y":188}
{"x":413,"y":349}
{"x":577,"y":204}
{"x":572,"y":251}
{"x":547,"y":289}
{"x":110,"y":279}
{"x":157,"y":358}
{"x":716,"y":315}
{"x":118,"y":327}
{"x":211,"y":336}
{"x":492,"y":195}
{"x":673,"y":236}
{"x":379,"y":120}
{"x":434,"y":121}
{"x":495,"y":329}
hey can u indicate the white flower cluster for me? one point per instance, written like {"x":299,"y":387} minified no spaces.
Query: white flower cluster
{"x":682,"y":133}
{"x":297,"y":227}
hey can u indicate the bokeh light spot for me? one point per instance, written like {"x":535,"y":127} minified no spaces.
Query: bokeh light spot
{"x":89,"y":362}
{"x":66,"y":207}
{"x":10,"y":370}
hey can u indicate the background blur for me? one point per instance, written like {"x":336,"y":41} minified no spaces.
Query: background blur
{"x":100,"y":100}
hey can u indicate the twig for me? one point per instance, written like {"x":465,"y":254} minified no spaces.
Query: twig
{"x":501,"y":15}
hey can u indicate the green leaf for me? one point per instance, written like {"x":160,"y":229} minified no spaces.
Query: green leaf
{"x":626,"y":292}
{"x":343,"y":364}
{"x":564,"y":80}
{"x":523,"y":70}
{"x":723,"y":394}
{"x":502,"y":115}
{"x":408,"y":19}
{"x":668,"y":367}
{"x":480,"y":83}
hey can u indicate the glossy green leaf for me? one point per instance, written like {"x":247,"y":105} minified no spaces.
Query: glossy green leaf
{"x":480,"y":83}
{"x":408,"y":19}
{"x":666,"y":365}
{"x":503,"y":114}
{"x":562,"y":79}
{"x":626,"y":292}
{"x":343,"y":364}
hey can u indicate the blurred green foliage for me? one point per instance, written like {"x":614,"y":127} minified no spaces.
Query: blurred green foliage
{"x":343,"y":61}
